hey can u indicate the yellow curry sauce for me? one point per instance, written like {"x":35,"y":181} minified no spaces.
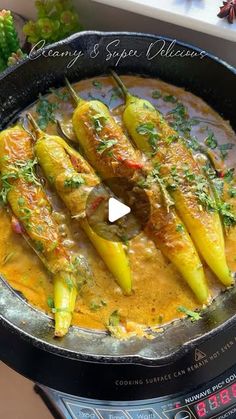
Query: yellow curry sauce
{"x":158,"y":290}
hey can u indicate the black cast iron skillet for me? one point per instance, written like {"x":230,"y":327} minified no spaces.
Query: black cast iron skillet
{"x":85,"y":362}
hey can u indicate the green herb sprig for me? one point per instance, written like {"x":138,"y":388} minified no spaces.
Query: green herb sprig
{"x":24,"y":170}
{"x":99,"y":121}
{"x":50,"y":302}
{"x":181,"y":122}
{"x":193,"y":315}
{"x":116,"y":93}
{"x":97,"y":84}
{"x":114,"y":319}
{"x":224,"y":150}
{"x":105,"y":145}
{"x":46,"y":111}
{"x":211,"y":141}
{"x":95,"y":306}
{"x":150,"y":131}
{"x":74,"y":182}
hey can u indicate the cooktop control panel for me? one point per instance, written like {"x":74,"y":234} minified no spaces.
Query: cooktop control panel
{"x":213,"y":400}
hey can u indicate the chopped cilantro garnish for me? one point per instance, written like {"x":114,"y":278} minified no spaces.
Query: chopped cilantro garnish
{"x":5,"y":157}
{"x":190,"y":176}
{"x":105,"y":145}
{"x":180,"y":111}
{"x":171,"y":138}
{"x":143,"y":183}
{"x":74,"y":182}
{"x":170,"y":98}
{"x":80,"y":268}
{"x":224,"y":209}
{"x":227,"y":214}
{"x":180,"y":228}
{"x":150,"y":130}
{"x":25,"y":215}
{"x":61,"y":95}
{"x":211,"y":141}
{"x":95,"y":306}
{"x":146,"y":128}
{"x":192,"y":314}
{"x":45,"y":110}
{"x":114,"y":318}
{"x":21,"y":201}
{"x":176,"y":179}
{"x":181,"y":121}
{"x":155,"y":177}
{"x":116,"y":93}
{"x":224,"y":149}
{"x":99,"y":121}
{"x":97,"y":84}
{"x":69,"y":282}
{"x":232,"y":192}
{"x":78,"y":260}
{"x":38,"y":246}
{"x":39,"y":229}
{"x":229,"y":175}
{"x":210,"y":172}
{"x":204,"y":198}
{"x":219,"y":185}
{"x":26,"y":171}
{"x":156,"y":94}
{"x":125,"y":239}
{"x":6,"y":185}
{"x":202,"y":191}
{"x":192,"y":142}
{"x":50,"y":302}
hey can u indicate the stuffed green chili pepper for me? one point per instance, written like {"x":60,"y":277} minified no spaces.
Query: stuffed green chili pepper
{"x":73,"y":178}
{"x":182,"y":176}
{"x":32,"y":218}
{"x":109,"y":151}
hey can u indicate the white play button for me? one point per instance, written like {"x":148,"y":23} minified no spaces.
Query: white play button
{"x":116,"y":210}
{"x":119,"y":217}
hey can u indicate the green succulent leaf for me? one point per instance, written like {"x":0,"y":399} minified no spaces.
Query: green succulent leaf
{"x":55,"y":20}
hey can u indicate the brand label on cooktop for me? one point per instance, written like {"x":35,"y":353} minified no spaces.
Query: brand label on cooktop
{"x":216,"y":400}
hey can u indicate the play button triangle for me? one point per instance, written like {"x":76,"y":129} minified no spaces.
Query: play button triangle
{"x":116,"y":210}
{"x":119,"y":217}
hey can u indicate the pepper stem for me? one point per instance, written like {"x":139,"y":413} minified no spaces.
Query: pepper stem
{"x":34,"y":124}
{"x":120,"y":84}
{"x":73,"y":93}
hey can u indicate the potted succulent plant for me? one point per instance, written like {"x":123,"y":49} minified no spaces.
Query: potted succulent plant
{"x":56,"y":19}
